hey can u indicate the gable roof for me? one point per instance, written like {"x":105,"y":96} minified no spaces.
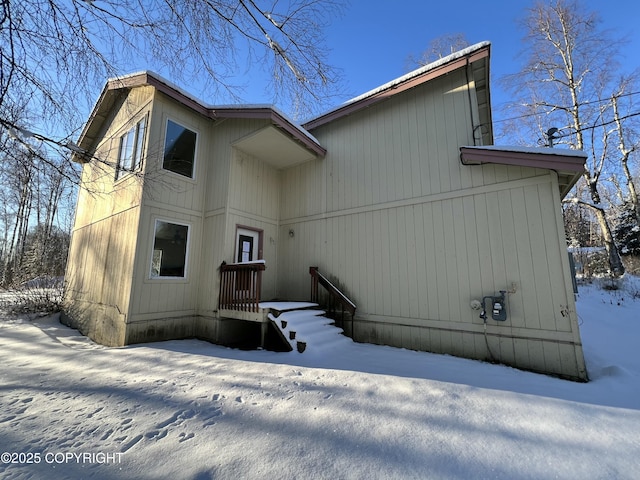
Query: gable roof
{"x":477,"y":54}
{"x":116,"y":87}
{"x":475,"y":58}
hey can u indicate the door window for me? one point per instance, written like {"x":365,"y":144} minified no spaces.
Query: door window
{"x":247,"y":245}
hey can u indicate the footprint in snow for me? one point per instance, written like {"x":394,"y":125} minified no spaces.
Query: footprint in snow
{"x":156,"y":434}
{"x":208,"y":419}
{"x":131,"y":443}
{"x":90,"y":415}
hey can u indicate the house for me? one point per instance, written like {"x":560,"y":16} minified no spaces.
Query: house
{"x":191,"y":214}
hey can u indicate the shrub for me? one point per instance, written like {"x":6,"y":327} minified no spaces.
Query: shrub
{"x":42,"y":295}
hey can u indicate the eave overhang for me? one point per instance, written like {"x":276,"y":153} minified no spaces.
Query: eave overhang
{"x":119,"y":87}
{"x":569,"y":164}
{"x":448,"y":64}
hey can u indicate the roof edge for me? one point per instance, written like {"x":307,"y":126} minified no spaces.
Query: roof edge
{"x":569,"y":163}
{"x":268,"y":112}
{"x":412,"y":79}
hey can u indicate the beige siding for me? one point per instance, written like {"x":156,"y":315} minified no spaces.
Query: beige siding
{"x":415,"y":236}
{"x":99,"y":277}
{"x":173,"y":198}
{"x":104,"y":237}
{"x":229,"y":188}
{"x":165,"y":297}
{"x":220,"y":153}
{"x":391,"y":213}
{"x":254,"y":194}
{"x":163,"y":187}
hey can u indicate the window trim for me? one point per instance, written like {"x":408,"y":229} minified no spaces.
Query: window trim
{"x":195,"y":148}
{"x":135,"y":158}
{"x":185,"y":275}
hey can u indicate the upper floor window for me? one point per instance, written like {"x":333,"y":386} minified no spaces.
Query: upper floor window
{"x":179,"y":149}
{"x":130,"y":150}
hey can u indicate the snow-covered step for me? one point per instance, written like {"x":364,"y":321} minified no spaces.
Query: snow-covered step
{"x":317,"y":337}
{"x":310,"y":328}
{"x":328,"y":343}
{"x":307,"y":329}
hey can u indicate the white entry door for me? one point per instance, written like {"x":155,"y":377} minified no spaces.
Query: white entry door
{"x":247,"y":245}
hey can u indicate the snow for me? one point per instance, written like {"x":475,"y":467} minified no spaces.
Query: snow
{"x":191,"y":410}
{"x":284,"y":306}
{"x":400,"y":80}
{"x":539,"y":150}
{"x":213,"y":107}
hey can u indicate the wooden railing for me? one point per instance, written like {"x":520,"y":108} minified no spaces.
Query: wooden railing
{"x":240,"y":285}
{"x":318,"y":279}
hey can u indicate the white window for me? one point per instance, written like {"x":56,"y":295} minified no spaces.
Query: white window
{"x":170,"y":244}
{"x":130,"y":150}
{"x":179,"y":149}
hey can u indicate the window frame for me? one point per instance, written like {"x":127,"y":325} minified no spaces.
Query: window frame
{"x":133,"y":142}
{"x":184,"y":277}
{"x":195,"y":149}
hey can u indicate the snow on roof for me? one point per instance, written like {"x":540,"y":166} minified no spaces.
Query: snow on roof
{"x":420,"y":71}
{"x":213,"y":107}
{"x":415,"y":73}
{"x":539,"y":150}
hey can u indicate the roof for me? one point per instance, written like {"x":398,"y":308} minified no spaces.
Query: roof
{"x":475,"y":58}
{"x":475,"y":53}
{"x":569,"y":164}
{"x":115,"y":87}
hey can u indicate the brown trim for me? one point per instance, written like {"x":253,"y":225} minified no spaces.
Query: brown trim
{"x":395,"y":88}
{"x":569,"y":166}
{"x":545,"y":158}
{"x":112,"y":86}
{"x":277,"y":119}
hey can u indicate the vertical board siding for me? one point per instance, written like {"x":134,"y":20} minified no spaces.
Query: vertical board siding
{"x":390,"y":213}
{"x":254,"y":187}
{"x":104,"y":237}
{"x":413,"y":269}
{"x":166,"y":297}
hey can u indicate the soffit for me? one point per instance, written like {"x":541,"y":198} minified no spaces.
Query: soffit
{"x":568,"y":164}
{"x":480,"y":71}
{"x":270,"y":145}
{"x":115,"y":89}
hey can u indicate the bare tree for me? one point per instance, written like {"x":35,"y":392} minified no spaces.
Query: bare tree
{"x":438,"y":48}
{"x":57,"y":54}
{"x":567,"y":86}
{"x":628,"y":145}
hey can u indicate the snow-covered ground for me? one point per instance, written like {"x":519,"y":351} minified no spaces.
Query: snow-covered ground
{"x":190,"y":410}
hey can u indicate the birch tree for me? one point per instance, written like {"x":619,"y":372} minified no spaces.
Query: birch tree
{"x":628,"y":145}
{"x":57,"y":55}
{"x":567,"y":85}
{"x":438,"y":48}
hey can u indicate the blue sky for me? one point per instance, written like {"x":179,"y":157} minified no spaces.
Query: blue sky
{"x":373,"y":39}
